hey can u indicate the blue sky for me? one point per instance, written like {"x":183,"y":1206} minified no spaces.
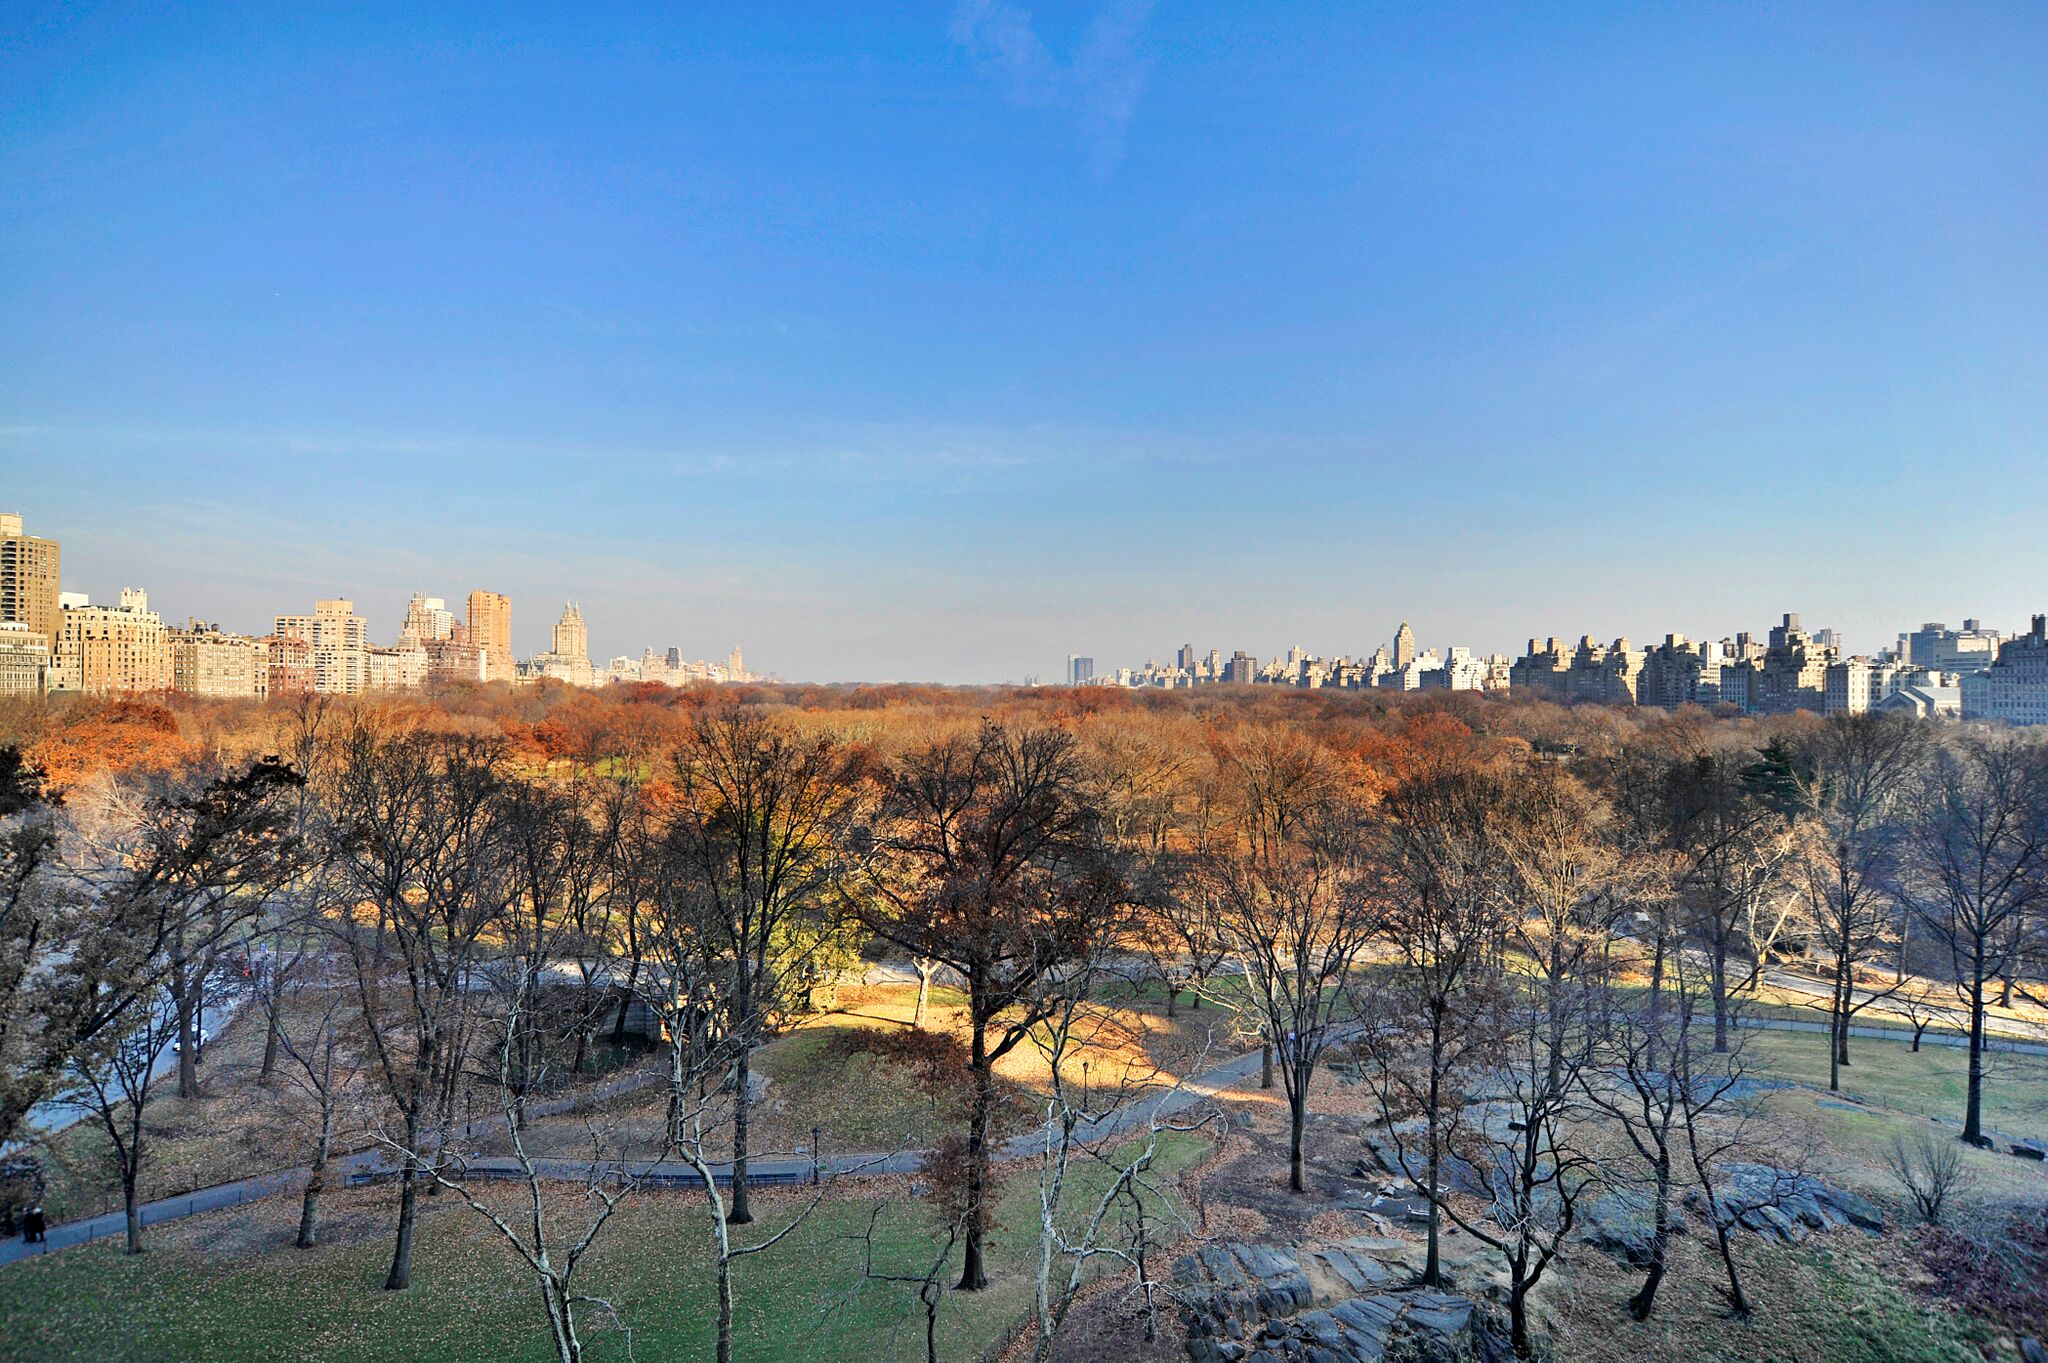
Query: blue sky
{"x":940,"y":341}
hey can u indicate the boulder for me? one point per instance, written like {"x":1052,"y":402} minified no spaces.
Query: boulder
{"x":1337,"y":1304}
{"x":1783,"y":1205}
{"x":1622,"y":1224}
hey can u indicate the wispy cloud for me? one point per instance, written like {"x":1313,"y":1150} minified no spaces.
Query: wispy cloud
{"x":1099,"y":88}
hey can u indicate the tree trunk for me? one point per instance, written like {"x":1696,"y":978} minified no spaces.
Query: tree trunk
{"x":271,"y":1031}
{"x":1266,"y":1065}
{"x":973,"y":1274}
{"x":1645,"y":1299}
{"x":188,"y":1043}
{"x":1973,"y":1103}
{"x":724,"y":1308}
{"x":400,"y":1276}
{"x":316,"y":1183}
{"x":1518,"y":1322}
{"x":924,"y":991}
{"x":1297,"y":1113}
{"x":742,"y":1074}
{"x":1717,"y":984}
{"x":1432,"y":1266}
{"x":133,"y":1208}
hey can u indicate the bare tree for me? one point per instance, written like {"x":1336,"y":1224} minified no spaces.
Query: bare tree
{"x":1289,"y":882}
{"x":418,"y":850}
{"x":989,"y":862}
{"x":1733,"y":847}
{"x":551,"y":1256}
{"x":930,"y":1282}
{"x":113,"y":1074}
{"x":1852,"y":787}
{"x":42,"y":1002}
{"x":1429,"y":1026}
{"x":760,"y":837}
{"x":321,"y":1059}
{"x":1977,"y":867}
{"x":1115,"y":1127}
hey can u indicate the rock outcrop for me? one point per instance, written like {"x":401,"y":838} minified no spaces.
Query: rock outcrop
{"x":1343,"y":1303}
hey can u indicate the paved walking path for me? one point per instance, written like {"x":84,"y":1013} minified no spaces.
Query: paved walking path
{"x":1878,"y":1032}
{"x":368,"y":1165}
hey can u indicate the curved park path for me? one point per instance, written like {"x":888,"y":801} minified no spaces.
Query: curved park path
{"x":366,"y":1165}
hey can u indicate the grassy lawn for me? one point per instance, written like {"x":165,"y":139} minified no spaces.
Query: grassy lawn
{"x":1930,"y":1081}
{"x":472,"y":1301}
{"x":1843,"y":1300}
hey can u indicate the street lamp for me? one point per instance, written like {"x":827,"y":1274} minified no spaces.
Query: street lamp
{"x":816,"y":1137}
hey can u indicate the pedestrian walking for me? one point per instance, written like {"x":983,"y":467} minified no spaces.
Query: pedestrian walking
{"x":35,"y":1227}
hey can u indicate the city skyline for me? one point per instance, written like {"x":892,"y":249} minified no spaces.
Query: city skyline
{"x":531,"y":637}
{"x":939,"y":344}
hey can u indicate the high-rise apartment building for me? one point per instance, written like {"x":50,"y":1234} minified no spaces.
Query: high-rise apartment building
{"x":287,"y":665}
{"x":28,"y":580}
{"x":569,"y":659}
{"x":1404,"y":645}
{"x":1940,"y":649}
{"x":2015,"y":687}
{"x":207,"y":662}
{"x":24,"y":660}
{"x":490,"y":629}
{"x":427,"y":618}
{"x":1080,"y":670}
{"x":102,"y":649}
{"x":572,"y":636}
{"x":338,"y":640}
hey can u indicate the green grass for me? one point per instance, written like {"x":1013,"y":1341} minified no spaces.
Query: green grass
{"x":1931,"y":1081}
{"x":471,"y":1301}
{"x":1853,"y":1313}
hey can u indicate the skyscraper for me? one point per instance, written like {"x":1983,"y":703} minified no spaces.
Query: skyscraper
{"x":572,"y":637}
{"x":427,"y":618}
{"x":338,"y":641}
{"x":1404,"y":645}
{"x":28,"y":580}
{"x":569,"y":659}
{"x":490,"y":629}
{"x":1080,"y":670}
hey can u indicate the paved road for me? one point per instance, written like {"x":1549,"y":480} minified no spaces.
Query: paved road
{"x":1877,"y":1032}
{"x":1796,"y":983}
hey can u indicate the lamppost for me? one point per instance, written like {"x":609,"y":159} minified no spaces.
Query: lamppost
{"x":816,"y":1137}
{"x":1084,"y":1088}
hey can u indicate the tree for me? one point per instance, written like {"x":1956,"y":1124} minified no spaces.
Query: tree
{"x":321,"y":1057}
{"x":1287,"y":876}
{"x":1733,"y":844}
{"x":1976,"y":868}
{"x":987,"y":860}
{"x":1099,"y":1128}
{"x":1853,"y":775}
{"x":1430,"y":1027}
{"x":418,"y":848}
{"x":759,"y":835}
{"x":40,"y":1001}
{"x":213,"y":856}
{"x":113,"y":1072}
